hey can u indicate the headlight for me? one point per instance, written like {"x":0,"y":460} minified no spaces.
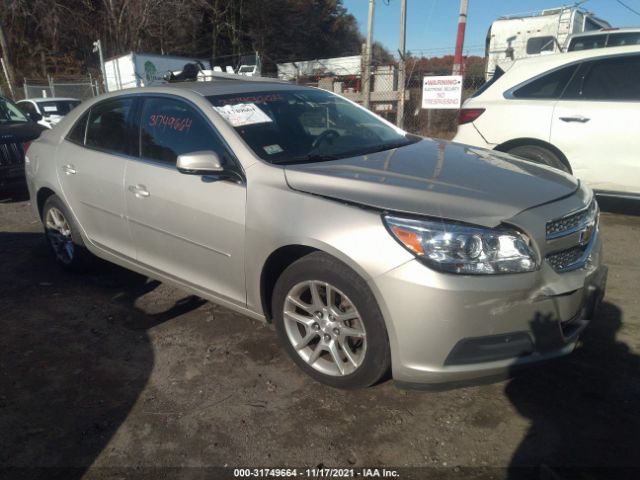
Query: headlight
{"x":457,"y":248}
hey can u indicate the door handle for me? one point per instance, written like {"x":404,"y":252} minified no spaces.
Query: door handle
{"x":139,"y":190}
{"x":577,"y":118}
{"x":69,"y":169}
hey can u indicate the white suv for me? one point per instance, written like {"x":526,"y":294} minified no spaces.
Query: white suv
{"x":577,"y":111}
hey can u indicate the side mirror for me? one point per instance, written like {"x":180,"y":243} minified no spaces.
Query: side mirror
{"x":205,"y":162}
{"x":35,"y":116}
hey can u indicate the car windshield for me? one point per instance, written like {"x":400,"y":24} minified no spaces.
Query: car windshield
{"x":9,"y":113}
{"x":57,"y":107}
{"x":306,"y":126}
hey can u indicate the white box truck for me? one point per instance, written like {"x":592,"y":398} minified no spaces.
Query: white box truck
{"x":144,"y":69}
{"x":527,"y":35}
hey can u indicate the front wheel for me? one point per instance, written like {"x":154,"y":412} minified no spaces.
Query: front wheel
{"x":329,"y":322}
{"x":539,"y":154}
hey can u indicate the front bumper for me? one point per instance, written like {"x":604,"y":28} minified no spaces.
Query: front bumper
{"x":447,"y":330}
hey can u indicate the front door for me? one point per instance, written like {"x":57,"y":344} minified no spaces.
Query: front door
{"x":190,"y":227}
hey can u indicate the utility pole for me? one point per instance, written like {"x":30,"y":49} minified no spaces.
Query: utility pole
{"x":458,"y":67}
{"x":6,"y":62}
{"x":402,"y":64}
{"x":366,"y":87}
{"x":97,"y":47}
{"x":6,"y":74}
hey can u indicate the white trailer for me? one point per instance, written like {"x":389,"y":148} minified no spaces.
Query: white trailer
{"x":144,"y":69}
{"x":527,"y":35}
{"x":340,"y":66}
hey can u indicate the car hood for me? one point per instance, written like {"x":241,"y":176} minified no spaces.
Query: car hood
{"x":436,"y":178}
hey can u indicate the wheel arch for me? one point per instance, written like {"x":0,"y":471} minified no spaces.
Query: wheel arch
{"x":519,"y":142}
{"x":273,"y":267}
{"x":41,"y":197}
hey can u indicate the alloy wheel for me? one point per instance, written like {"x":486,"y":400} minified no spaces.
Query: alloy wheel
{"x":59,"y":235}
{"x":325,"y":328}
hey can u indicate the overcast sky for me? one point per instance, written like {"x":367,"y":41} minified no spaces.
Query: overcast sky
{"x":432,"y":24}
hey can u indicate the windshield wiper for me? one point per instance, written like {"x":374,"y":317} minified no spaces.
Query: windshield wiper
{"x":383,"y":147}
{"x":315,"y":157}
{"x":312,"y":158}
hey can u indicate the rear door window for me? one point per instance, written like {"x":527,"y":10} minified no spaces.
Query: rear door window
{"x":170,"y":127}
{"x":548,"y":86}
{"x":109,"y":126}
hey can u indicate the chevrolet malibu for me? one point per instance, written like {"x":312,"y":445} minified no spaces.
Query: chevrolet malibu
{"x":370,"y":249}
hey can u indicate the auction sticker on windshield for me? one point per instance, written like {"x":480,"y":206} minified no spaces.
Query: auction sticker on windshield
{"x":243,"y":114}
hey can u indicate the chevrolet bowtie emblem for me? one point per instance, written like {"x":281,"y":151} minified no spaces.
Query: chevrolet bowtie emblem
{"x":586,"y":234}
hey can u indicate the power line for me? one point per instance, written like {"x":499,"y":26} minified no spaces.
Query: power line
{"x":628,"y":7}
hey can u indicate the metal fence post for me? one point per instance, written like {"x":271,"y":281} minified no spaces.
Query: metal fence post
{"x":51,"y":86}
{"x":368,"y":58}
{"x":26,"y":90}
{"x":402,"y":64}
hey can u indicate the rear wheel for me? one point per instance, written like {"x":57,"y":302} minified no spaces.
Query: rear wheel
{"x":63,"y":236}
{"x":540,"y":154}
{"x":329,"y":323}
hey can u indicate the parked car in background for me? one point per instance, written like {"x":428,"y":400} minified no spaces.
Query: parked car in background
{"x":16,"y":132}
{"x":604,"y":38}
{"x":368,"y":247}
{"x":51,"y":110}
{"x":576,"y":111}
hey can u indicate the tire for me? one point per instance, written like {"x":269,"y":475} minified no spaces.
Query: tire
{"x":539,"y":154}
{"x":63,"y":236}
{"x":341,"y":335}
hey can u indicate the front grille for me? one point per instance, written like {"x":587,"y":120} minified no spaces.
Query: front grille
{"x":572,"y":223}
{"x":583,"y":225}
{"x":11,"y":154}
{"x":567,"y":259}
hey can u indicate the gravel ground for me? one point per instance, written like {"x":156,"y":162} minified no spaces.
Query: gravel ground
{"x":111,"y":369}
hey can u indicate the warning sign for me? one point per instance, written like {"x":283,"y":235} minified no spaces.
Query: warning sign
{"x":442,"y":92}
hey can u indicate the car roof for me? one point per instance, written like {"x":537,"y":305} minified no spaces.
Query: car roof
{"x":562,"y":58}
{"x":50,"y":99}
{"x":524,"y":69}
{"x":221,"y":84}
{"x":606,"y":31}
{"x":224,"y":86}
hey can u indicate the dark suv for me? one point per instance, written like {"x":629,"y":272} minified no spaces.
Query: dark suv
{"x":16,"y":130}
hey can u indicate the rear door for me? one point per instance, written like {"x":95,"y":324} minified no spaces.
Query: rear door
{"x":187,"y":226}
{"x":91,"y":162}
{"x":596,"y":124}
{"x":528,"y":110}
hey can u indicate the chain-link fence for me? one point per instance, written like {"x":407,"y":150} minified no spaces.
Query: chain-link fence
{"x":81,"y":88}
{"x":440,"y":123}
{"x":384,"y":94}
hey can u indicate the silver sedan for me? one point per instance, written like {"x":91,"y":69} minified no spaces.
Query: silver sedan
{"x":370,"y":249}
